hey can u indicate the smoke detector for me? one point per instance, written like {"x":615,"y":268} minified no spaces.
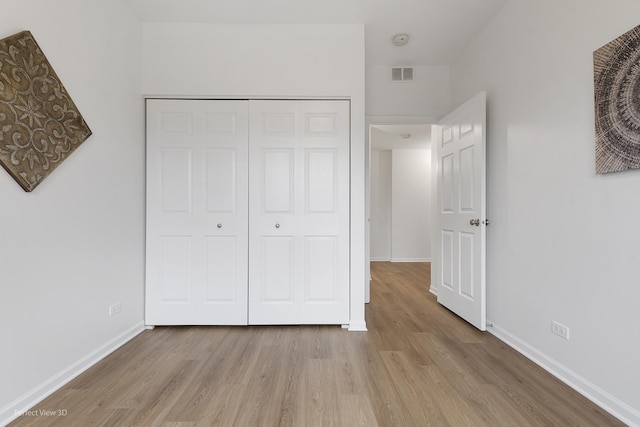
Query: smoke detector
{"x":400,"y":39}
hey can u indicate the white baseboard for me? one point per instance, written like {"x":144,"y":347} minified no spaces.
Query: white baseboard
{"x":600,"y":397}
{"x":40,"y":392}
{"x":410,"y":259}
{"x":380,"y":259}
{"x":358,"y":326}
{"x":433,"y":290}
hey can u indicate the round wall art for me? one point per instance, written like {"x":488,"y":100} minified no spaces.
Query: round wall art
{"x":617,"y":103}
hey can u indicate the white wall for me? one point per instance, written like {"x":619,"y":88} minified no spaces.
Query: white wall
{"x":253,"y":60}
{"x":381,"y":205}
{"x":426,"y":97}
{"x":400,"y":205}
{"x":75,"y":244}
{"x":563,"y":242}
{"x":411,"y":206}
{"x":270,"y":61}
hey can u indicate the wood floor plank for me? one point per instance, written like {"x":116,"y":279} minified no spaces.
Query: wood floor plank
{"x":418,"y":365}
{"x":453,"y":406}
{"x":469,"y":387}
{"x":356,"y":410}
{"x":419,"y":405}
{"x":318,"y":396}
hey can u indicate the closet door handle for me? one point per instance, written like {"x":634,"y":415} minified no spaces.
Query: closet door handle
{"x":219,"y":225}
{"x":277,"y":225}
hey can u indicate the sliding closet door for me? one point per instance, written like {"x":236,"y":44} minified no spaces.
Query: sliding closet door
{"x":197,"y":225}
{"x":299,"y":212}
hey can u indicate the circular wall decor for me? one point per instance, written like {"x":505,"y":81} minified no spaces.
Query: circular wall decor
{"x":616,"y":68}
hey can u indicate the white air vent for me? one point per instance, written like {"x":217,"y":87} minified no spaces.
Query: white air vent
{"x":402,"y":74}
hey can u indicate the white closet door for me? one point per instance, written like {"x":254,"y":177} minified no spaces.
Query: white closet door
{"x":299,"y":212}
{"x":197,"y":207}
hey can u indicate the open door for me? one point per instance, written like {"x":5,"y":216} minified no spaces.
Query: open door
{"x":459,"y":267}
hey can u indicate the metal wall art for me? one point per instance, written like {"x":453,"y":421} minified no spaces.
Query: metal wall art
{"x":617,"y":103}
{"x":40,"y":126}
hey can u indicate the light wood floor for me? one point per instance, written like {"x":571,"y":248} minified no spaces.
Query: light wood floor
{"x":419,"y":365}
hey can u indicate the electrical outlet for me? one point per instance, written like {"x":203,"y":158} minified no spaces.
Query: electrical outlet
{"x":115,"y":308}
{"x":560,"y":330}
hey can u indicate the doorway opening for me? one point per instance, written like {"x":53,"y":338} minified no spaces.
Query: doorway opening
{"x":400,"y":193}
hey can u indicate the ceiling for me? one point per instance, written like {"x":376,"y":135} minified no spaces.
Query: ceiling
{"x":402,"y":137}
{"x":438,"y":29}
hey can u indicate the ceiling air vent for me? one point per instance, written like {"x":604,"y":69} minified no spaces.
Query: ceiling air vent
{"x":402,"y":74}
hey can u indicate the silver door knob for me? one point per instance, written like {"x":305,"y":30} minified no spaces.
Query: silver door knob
{"x":219,"y":225}
{"x":277,"y":225}
{"x":475,"y":222}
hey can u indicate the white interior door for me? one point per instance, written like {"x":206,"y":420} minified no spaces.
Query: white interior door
{"x":197,"y":212}
{"x":299,"y":212}
{"x":460,"y":145}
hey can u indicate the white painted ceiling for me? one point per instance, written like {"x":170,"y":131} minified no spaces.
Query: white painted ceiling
{"x":389,"y":137}
{"x":438,"y":29}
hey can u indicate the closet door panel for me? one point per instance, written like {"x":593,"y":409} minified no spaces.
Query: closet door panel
{"x":298,"y":191}
{"x":321,"y":269}
{"x":176,"y":269}
{"x":197,"y":212}
{"x":175,"y":180}
{"x":324,"y":225}
{"x":247,"y":212}
{"x":222,"y":185}
{"x":321,"y":181}
{"x":275,"y":292}
{"x":221,"y":269}
{"x":277,"y":184}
